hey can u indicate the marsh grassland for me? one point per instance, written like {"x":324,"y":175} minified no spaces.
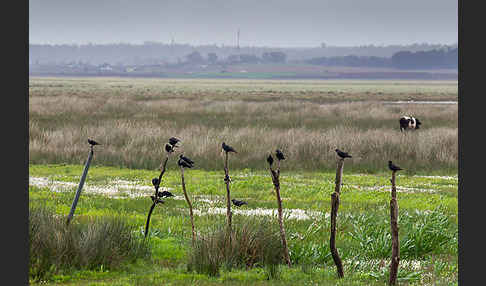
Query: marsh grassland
{"x":133,"y":118}
{"x":307,"y":119}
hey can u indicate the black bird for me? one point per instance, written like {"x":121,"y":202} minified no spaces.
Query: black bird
{"x":227,"y":178}
{"x":189,"y":161}
{"x":157,"y":201}
{"x":168,"y":148}
{"x":393,"y":167}
{"x":228,"y":148}
{"x":280,"y":155}
{"x":155,"y":181}
{"x":92,"y":142}
{"x":238,"y":203}
{"x":165,"y":194}
{"x":184,"y":164}
{"x":173,"y":141}
{"x":270,"y":160}
{"x":343,"y":154}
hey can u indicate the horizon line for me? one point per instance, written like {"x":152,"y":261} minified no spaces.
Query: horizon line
{"x":222,"y":45}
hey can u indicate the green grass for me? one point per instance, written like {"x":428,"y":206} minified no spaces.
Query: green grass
{"x":428,"y":225}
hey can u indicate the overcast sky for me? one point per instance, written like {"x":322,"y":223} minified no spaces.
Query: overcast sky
{"x":276,"y":23}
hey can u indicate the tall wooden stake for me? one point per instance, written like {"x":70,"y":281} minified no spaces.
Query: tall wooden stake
{"x":276,"y":184}
{"x":395,"y":258}
{"x":190,"y":205}
{"x":147,"y":223}
{"x":334,"y":210}
{"x":80,"y":186}
{"x":163,"y":167}
{"x":228,"y":196}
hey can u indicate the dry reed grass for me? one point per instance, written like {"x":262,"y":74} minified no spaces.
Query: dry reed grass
{"x":133,"y":125}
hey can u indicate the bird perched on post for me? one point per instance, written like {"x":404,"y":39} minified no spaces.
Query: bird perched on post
{"x":173,"y":141}
{"x":238,"y":203}
{"x":270,"y":160}
{"x":155,"y":181}
{"x":280,"y":155}
{"x":156,"y":200}
{"x":228,"y":148}
{"x":393,"y":167}
{"x":343,"y":154}
{"x":184,"y":164}
{"x":165,"y":194}
{"x":168,"y":148}
{"x":227,"y":178}
{"x":92,"y":142}
{"x":189,"y":161}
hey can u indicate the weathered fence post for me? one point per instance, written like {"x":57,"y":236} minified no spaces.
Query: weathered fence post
{"x":276,"y":184}
{"x":228,"y":195}
{"x":169,"y":149}
{"x":334,"y":210}
{"x":80,"y":186}
{"x":147,"y":223}
{"x":227,"y":149}
{"x":190,"y":205}
{"x":395,"y":258}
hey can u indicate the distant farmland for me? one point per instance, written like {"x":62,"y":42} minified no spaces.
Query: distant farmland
{"x":248,"y":71}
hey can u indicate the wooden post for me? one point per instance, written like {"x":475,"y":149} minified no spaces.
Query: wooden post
{"x":334,"y":210}
{"x":80,"y":186}
{"x":339,"y":174}
{"x":276,"y":184}
{"x":228,"y":196}
{"x":148,"y":218}
{"x":163,"y":167}
{"x":395,"y":258}
{"x":190,"y":205}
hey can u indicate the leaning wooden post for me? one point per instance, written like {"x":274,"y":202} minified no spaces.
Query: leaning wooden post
{"x":334,"y":210}
{"x":155,"y":199}
{"x":276,"y":184}
{"x":190,"y":205}
{"x":147,"y":223}
{"x":395,"y":258}
{"x":80,"y":186}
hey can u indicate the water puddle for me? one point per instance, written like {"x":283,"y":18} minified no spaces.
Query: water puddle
{"x":116,"y":188}
{"x":129,"y":189}
{"x":295,"y":214}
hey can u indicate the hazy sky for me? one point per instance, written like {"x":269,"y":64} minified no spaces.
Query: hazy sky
{"x":297,"y":23}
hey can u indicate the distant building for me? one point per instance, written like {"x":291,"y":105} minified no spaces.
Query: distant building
{"x":105,"y":67}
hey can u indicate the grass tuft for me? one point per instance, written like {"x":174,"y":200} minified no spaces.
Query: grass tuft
{"x":255,"y":243}
{"x":101,"y":243}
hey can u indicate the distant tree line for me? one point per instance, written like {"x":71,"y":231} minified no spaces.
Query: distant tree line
{"x":443,"y":58}
{"x":152,"y":53}
{"x":433,"y":59}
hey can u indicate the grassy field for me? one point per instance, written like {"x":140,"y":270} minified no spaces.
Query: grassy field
{"x":133,"y":118}
{"x":428,"y":223}
{"x":306,"y":119}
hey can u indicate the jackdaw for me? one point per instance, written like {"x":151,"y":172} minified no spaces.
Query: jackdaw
{"x":239,"y":203}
